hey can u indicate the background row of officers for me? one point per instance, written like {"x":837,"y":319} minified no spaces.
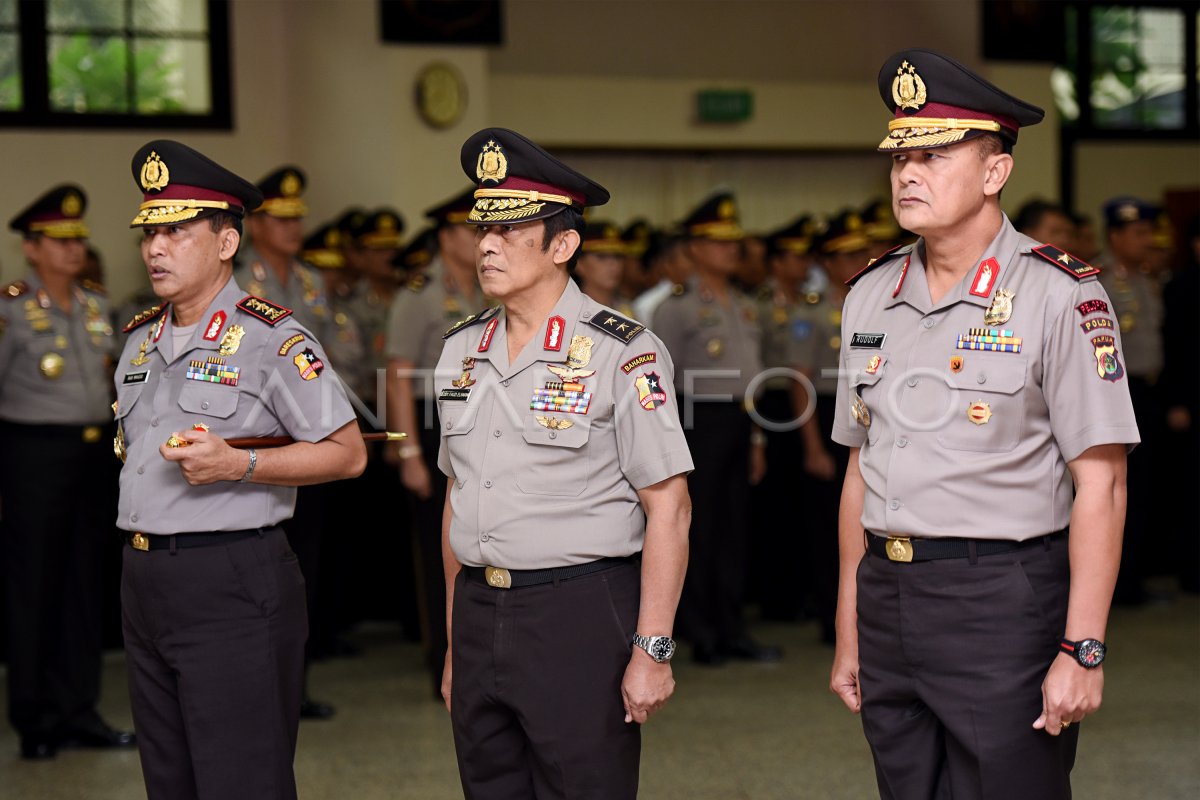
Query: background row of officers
{"x":753,"y":326}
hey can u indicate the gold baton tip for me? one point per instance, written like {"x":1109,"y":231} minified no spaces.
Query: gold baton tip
{"x":393,"y":436}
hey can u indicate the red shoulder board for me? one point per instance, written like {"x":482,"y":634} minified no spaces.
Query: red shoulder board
{"x":16,"y":289}
{"x":142,"y":317}
{"x":1066,"y":262}
{"x":264,"y":310}
{"x":873,"y":263}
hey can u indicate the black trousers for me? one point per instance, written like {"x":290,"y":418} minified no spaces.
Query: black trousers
{"x":214,"y":639}
{"x":429,"y":575}
{"x":952,"y":658}
{"x":710,"y":610}
{"x":58,"y":512}
{"x":536,"y":702}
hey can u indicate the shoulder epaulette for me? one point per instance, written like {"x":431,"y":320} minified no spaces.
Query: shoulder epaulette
{"x":264,"y":310}
{"x":616,"y":326}
{"x":16,"y":289}
{"x":142,"y":317}
{"x":417,"y":283}
{"x":1066,"y":262}
{"x":474,"y":319}
{"x":880,"y":260}
{"x":94,"y":288}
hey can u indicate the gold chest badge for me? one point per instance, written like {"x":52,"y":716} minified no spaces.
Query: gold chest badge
{"x":1001,"y":308}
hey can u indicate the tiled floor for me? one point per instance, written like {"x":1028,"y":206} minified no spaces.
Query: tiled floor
{"x":745,"y":731}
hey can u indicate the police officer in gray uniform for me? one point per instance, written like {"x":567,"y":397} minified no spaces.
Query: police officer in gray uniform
{"x":712,"y":331}
{"x":562,"y":443}
{"x":211,"y":595}
{"x":56,"y":348}
{"x":421,"y":312}
{"x":982,"y":386}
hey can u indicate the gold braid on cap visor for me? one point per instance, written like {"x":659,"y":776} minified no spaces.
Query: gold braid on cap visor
{"x":505,"y":205}
{"x":168,"y":212}
{"x":61,"y":229}
{"x":932,"y":131}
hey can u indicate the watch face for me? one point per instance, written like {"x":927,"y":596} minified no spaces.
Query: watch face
{"x":1091,"y":653}
{"x":661,"y":649}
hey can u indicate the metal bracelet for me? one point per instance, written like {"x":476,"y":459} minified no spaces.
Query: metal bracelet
{"x":250,"y":467}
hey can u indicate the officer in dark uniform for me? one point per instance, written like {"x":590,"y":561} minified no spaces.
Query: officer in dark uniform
{"x":420,"y":314}
{"x":212,"y":596}
{"x":713,"y":333}
{"x":56,"y":349}
{"x":566,"y":524}
{"x":982,"y":392}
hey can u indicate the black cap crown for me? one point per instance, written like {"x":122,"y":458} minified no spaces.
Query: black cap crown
{"x":381,"y":230}
{"x":520,"y":182}
{"x":1120,"y":211}
{"x":323,"y":247}
{"x":180,"y":184}
{"x":281,"y":192}
{"x":58,"y":214}
{"x":420,"y":250}
{"x":844,"y":233}
{"x":453,"y":211}
{"x":715,"y":218}
{"x":602,"y":238}
{"x":937,"y":102}
{"x":795,"y":237}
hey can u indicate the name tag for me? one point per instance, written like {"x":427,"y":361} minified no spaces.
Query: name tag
{"x":135,"y":377}
{"x":457,"y":395}
{"x":873,"y":341}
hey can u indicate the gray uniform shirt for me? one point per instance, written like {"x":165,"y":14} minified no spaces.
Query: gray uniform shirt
{"x":1137,"y":302}
{"x":536,"y":488}
{"x":420,"y":314}
{"x":805,"y":334}
{"x":54,"y":365}
{"x":275,"y":383}
{"x":975,"y":442}
{"x":304,"y":292}
{"x":715,"y":346}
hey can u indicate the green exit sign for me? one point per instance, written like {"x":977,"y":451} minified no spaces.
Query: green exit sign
{"x":724,"y":105}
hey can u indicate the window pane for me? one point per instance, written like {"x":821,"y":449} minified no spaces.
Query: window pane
{"x":1137,"y":68}
{"x":88,"y":74}
{"x":170,"y":16}
{"x":8,"y":13}
{"x":172,"y":76}
{"x":10,"y":72}
{"x":85,"y":14}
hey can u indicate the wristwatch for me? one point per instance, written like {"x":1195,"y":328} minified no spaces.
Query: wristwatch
{"x":660,"y":648}
{"x":1088,"y":652}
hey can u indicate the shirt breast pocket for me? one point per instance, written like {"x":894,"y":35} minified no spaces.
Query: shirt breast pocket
{"x":555,"y":461}
{"x":457,"y":420}
{"x":208,"y":399}
{"x":989,"y":411}
{"x":865,"y":374}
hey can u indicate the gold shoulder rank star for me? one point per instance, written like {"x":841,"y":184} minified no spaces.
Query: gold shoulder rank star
{"x":622,"y":326}
{"x":1066,"y":259}
{"x":610,"y":320}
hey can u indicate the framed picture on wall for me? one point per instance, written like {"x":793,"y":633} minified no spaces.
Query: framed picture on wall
{"x":442,"y":21}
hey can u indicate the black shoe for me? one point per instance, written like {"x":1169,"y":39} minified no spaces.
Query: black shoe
{"x":311,"y":709}
{"x":746,"y":649}
{"x":707,"y":656}
{"x":38,"y":748}
{"x":95,"y":733}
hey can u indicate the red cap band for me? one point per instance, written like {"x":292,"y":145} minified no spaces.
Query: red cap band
{"x":943,"y":111}
{"x":180,"y":191}
{"x":523,"y":185}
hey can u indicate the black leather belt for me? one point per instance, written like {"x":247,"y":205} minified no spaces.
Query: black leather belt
{"x":905,"y":549}
{"x":500,"y":578}
{"x":153,"y":541}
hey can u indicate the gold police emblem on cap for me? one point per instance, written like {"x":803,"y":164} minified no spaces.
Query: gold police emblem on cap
{"x":154,"y":175}
{"x":726,"y":210}
{"x":387,"y":223}
{"x":72,"y":205}
{"x":492,"y":165}
{"x":333,"y":238}
{"x":290,"y":185}
{"x":1128,"y":213}
{"x":908,"y":90}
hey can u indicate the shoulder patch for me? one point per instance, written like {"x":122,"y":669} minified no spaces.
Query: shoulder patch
{"x":142,"y":317}
{"x":880,"y":261}
{"x":264,"y":310}
{"x":94,"y":288}
{"x":1066,"y":262}
{"x":616,"y":326}
{"x":16,"y":289}
{"x":474,"y":319}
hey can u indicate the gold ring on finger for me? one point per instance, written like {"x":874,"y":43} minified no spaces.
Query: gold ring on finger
{"x":1064,"y":725}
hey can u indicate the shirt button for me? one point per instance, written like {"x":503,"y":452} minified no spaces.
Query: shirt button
{"x":553,"y":435}
{"x":449,"y":425}
{"x":496,"y":433}
{"x":487,"y":484}
{"x":505,"y":383}
{"x":133,"y":517}
{"x":928,"y":323}
{"x":912,"y":382}
{"x":166,"y":373}
{"x":154,"y":422}
{"x":981,"y":378}
{"x":141,"y":470}
{"x":902,"y":442}
{"x":895,"y":504}
{"x":484,"y":537}
{"x":204,"y":404}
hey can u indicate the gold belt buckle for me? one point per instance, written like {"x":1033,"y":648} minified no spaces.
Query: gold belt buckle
{"x":139,"y":541}
{"x":91,"y":434}
{"x":899,"y":548}
{"x":497,"y":577}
